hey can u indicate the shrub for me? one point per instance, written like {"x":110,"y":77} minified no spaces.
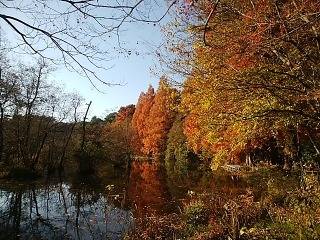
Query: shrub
{"x":196,"y":213}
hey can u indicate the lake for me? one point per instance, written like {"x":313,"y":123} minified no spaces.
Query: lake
{"x":59,"y":208}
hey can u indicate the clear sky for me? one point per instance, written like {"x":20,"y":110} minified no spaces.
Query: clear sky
{"x":131,"y":71}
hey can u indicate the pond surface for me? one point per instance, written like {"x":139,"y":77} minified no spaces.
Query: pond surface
{"x":59,"y":212}
{"x":60,"y":209}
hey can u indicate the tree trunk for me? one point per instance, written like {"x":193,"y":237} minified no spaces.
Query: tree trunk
{"x":1,"y":124}
{"x":84,"y":127}
{"x":65,"y":147}
{"x":248,"y":159}
{"x":1,"y":131}
{"x":286,"y":165}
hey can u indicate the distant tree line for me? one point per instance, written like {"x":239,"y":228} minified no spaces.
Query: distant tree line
{"x":38,"y":119}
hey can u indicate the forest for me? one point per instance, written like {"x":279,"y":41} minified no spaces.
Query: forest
{"x":227,"y":146}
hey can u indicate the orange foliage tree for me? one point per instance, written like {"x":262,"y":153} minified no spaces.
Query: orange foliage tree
{"x":253,"y":68}
{"x":139,"y":118}
{"x":117,"y":136}
{"x":160,"y":119}
{"x":125,"y":112}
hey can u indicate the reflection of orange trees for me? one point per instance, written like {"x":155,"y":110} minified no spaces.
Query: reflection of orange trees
{"x":147,"y":189}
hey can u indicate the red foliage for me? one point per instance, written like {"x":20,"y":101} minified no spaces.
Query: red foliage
{"x":125,"y":112}
{"x":140,"y":116}
{"x":147,"y":189}
{"x":160,"y":119}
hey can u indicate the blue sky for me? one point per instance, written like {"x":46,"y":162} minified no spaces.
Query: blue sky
{"x":131,"y":71}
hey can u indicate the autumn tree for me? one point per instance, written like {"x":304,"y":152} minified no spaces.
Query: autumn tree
{"x":252,"y":78}
{"x":117,"y":137}
{"x":140,"y":116}
{"x":125,"y":112}
{"x":160,"y":119}
{"x":110,"y":117}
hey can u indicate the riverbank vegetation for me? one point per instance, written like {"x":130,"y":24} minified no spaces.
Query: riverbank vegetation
{"x":267,"y":204}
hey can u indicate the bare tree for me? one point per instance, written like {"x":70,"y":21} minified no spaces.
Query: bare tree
{"x":75,"y":104}
{"x":8,"y":91}
{"x":76,"y":32}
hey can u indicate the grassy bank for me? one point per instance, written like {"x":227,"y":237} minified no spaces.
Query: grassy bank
{"x":272,"y":205}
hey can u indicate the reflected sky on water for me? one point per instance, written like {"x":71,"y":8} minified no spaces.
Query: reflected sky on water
{"x":57,"y":209}
{"x":60,"y":212}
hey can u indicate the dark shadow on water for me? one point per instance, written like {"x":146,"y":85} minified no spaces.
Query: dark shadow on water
{"x":23,"y":174}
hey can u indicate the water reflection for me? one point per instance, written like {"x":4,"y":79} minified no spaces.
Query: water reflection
{"x":64,"y":210}
{"x":60,"y":211}
{"x":147,"y":190}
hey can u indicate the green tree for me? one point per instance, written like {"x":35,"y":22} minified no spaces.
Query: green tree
{"x":179,"y":159}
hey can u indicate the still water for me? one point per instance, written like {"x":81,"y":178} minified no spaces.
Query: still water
{"x":59,"y":212}
{"x":61,"y":209}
